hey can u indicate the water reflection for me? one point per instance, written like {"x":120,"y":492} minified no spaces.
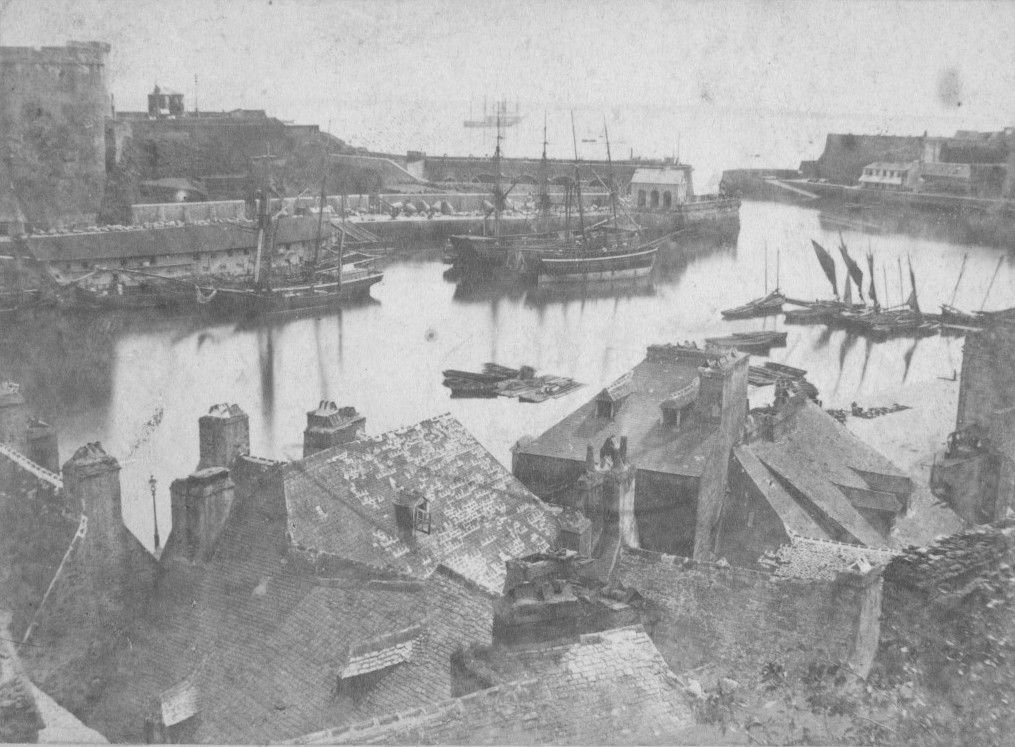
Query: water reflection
{"x":103,"y":378}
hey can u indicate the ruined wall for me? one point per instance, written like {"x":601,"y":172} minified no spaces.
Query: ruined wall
{"x":845,"y":156}
{"x":988,"y":358}
{"x":53,"y":103}
{"x":740,"y":619}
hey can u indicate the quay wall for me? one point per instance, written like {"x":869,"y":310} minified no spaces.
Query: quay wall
{"x":740,"y":619}
{"x":53,"y":104}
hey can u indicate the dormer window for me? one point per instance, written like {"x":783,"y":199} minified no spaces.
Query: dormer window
{"x":610,"y":400}
{"x":412,"y":513}
{"x":421,"y":517}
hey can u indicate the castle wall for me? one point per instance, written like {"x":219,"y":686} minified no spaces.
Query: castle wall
{"x":845,"y":156}
{"x":53,"y":104}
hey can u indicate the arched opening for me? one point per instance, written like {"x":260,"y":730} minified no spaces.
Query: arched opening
{"x":641,"y":198}
{"x":655,"y":198}
{"x":667,"y":199}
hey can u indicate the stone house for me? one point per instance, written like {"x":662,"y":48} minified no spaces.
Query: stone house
{"x":669,"y":424}
{"x":661,"y":186}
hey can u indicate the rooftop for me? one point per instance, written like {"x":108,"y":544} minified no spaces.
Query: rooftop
{"x":341,"y":502}
{"x":661,"y":174}
{"x":608,"y":688}
{"x":262,"y":649}
{"x":652,"y":445}
{"x":817,"y":475}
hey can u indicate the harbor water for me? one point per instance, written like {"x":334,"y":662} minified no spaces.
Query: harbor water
{"x":138,"y":384}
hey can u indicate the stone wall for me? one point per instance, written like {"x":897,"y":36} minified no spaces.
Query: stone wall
{"x":845,"y":156}
{"x":53,"y":103}
{"x":739,"y":620}
{"x":988,"y":358}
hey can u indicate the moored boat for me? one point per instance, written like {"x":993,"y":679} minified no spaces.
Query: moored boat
{"x":764,"y":306}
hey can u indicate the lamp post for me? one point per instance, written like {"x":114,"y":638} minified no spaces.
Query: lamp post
{"x":152,"y":482}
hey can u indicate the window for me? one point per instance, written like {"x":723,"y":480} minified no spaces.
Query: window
{"x":667,"y":199}
{"x":655,"y":198}
{"x":421,"y":518}
{"x":641,"y":198}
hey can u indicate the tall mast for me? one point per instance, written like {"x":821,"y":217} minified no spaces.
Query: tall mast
{"x":496,"y":182}
{"x":320,"y":219}
{"x":961,"y":270}
{"x":577,"y":183}
{"x":766,"y":268}
{"x":341,"y":243}
{"x":902,"y":291}
{"x":544,"y":167}
{"x":992,"y":279}
{"x":263,"y":215}
{"x":776,"y":269}
{"x":613,"y":191}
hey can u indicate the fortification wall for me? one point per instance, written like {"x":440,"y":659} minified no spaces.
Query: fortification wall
{"x":740,"y":620}
{"x":845,"y":156}
{"x":53,"y":104}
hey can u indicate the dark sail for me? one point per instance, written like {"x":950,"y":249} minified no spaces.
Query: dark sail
{"x":873,"y":291}
{"x":913,"y":303}
{"x":827,"y":264}
{"x":853,"y":269}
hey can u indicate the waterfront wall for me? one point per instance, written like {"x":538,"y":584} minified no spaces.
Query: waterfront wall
{"x":740,"y":619}
{"x":845,"y":155}
{"x":53,"y":104}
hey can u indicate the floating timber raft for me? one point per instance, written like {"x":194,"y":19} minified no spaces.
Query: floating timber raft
{"x":501,"y":381}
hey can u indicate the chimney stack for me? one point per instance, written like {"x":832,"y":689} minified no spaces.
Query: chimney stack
{"x":91,"y":480}
{"x":42,"y":445}
{"x":224,"y":435}
{"x":200,"y":504}
{"x":330,"y":425}
{"x":14,"y":417}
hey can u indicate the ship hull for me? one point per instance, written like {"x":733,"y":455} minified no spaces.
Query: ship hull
{"x":626,"y":266}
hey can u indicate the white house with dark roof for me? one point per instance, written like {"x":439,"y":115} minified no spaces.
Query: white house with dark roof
{"x":661,"y":186}
{"x":890,"y":175}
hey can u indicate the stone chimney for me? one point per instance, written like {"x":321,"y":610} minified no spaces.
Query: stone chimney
{"x":14,"y":417}
{"x":200,"y":505}
{"x":42,"y":445}
{"x":330,"y":425}
{"x":722,"y":391}
{"x":91,"y":480}
{"x":224,"y":435}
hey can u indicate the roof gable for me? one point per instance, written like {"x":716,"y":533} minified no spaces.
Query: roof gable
{"x":343,"y":502}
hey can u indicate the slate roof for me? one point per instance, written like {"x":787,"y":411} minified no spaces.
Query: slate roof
{"x":264,"y":640}
{"x":20,"y":720}
{"x":650,"y":444}
{"x":836,"y":471}
{"x":664,"y":175}
{"x":808,"y":558}
{"x":608,"y":688}
{"x":342,"y":502}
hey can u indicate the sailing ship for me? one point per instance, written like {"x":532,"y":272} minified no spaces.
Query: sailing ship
{"x":904,"y":320}
{"x":770,"y":303}
{"x":613,"y":254}
{"x":500,"y":118}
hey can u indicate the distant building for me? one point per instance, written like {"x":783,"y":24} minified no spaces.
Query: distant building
{"x":163,"y":102}
{"x":670,"y":424}
{"x":890,"y":175}
{"x":661,"y":186}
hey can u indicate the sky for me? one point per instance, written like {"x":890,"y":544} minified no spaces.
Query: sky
{"x":402,"y":74}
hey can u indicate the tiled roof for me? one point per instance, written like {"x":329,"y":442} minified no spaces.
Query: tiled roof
{"x":342,"y":502}
{"x":652,"y":445}
{"x":831,"y":467}
{"x":268,"y":640}
{"x":665,"y":175}
{"x":809,"y":558}
{"x":608,"y":688}
{"x":381,"y":652}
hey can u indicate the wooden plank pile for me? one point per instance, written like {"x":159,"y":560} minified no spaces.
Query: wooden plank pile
{"x":501,"y":381}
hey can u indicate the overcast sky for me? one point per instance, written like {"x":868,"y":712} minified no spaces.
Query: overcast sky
{"x":949,"y":64}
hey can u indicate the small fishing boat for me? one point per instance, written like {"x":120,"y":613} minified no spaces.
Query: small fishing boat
{"x":770,"y":303}
{"x":764,"y":306}
{"x":750,"y":342}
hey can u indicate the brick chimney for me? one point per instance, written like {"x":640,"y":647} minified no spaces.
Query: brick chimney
{"x":14,"y":417}
{"x":200,"y":505}
{"x":330,"y":425}
{"x":224,"y":435}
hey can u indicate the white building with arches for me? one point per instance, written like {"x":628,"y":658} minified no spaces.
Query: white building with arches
{"x":661,"y":186}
